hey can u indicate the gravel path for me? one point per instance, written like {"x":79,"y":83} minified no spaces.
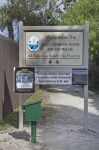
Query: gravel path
{"x":63,"y":128}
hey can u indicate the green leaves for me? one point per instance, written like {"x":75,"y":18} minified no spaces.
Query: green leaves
{"x":48,"y":14}
{"x":31,"y":12}
{"x":86,"y":10}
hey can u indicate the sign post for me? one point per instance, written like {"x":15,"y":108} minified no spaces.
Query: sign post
{"x":21,"y":95}
{"x":86,"y":45}
{"x":85,"y":107}
{"x":59,"y":55}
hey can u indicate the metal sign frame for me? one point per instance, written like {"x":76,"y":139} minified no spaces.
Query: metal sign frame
{"x":84,"y":29}
{"x":54,"y":48}
{"x":25,"y":29}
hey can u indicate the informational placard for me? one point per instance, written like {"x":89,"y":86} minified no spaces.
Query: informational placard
{"x":80,"y":77}
{"x":24,"y":80}
{"x":54,"y":48}
{"x":53,"y":78}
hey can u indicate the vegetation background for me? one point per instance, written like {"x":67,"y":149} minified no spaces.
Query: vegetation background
{"x":56,"y":12}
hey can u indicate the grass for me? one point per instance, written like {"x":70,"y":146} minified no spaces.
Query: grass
{"x":93,"y":89}
{"x":12,"y":120}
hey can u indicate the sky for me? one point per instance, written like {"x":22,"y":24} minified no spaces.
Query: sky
{"x":2,"y":2}
{"x":5,"y":32}
{"x":15,"y":26}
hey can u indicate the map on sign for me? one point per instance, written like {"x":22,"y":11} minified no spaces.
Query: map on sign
{"x":54,"y":48}
{"x":80,"y":77}
{"x":24,"y":79}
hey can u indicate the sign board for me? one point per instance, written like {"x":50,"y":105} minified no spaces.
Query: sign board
{"x":24,"y":80}
{"x":54,"y":48}
{"x":80,"y":77}
{"x":53,"y":78}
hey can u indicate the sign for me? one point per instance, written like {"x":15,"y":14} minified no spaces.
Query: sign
{"x":80,"y":77}
{"x":54,"y":48}
{"x":24,"y":80}
{"x":53,"y":78}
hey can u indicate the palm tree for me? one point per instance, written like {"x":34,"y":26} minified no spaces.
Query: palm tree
{"x":20,"y":10}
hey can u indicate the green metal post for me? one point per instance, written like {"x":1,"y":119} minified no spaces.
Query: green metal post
{"x":33,"y":131}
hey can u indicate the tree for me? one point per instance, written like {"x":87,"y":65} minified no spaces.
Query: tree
{"x":31,"y":12}
{"x":21,"y":10}
{"x":86,"y":10}
{"x":68,"y":3}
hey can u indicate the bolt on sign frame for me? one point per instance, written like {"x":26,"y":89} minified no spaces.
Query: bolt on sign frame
{"x":55,"y":49}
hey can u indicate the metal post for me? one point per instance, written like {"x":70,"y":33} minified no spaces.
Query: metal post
{"x":20,"y":111}
{"x":86,"y":46}
{"x":33,"y":131}
{"x":21,"y":96}
{"x":85,"y":107}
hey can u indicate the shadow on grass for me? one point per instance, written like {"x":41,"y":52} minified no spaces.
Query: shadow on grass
{"x":10,"y":120}
{"x":47,"y":109}
{"x":20,"y":135}
{"x":13,"y":118}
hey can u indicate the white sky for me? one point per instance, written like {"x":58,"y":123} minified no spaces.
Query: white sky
{"x":2,"y":2}
{"x":5,"y":32}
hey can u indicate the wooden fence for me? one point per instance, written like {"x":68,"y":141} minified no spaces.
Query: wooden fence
{"x":9,"y":58}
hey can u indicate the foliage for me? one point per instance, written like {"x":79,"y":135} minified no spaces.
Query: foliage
{"x":86,"y":10}
{"x":21,"y":10}
{"x":31,"y":12}
{"x":68,"y":3}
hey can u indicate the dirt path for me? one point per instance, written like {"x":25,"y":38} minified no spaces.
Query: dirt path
{"x":62,"y":129}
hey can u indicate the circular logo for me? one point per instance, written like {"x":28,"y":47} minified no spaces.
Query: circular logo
{"x":33,"y":43}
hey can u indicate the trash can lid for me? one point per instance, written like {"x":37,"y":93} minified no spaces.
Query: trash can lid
{"x":31,"y":103}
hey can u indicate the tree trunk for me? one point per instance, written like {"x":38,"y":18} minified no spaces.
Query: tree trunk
{"x":10,"y":30}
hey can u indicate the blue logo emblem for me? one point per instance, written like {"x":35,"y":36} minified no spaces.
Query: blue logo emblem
{"x":33,"y":43}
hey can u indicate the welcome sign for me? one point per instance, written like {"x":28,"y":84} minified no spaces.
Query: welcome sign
{"x":59,"y":55}
{"x":54,"y":48}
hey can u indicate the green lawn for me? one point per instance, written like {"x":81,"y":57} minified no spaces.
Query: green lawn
{"x":12,"y":120}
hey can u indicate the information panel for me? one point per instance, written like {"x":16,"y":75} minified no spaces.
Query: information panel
{"x":24,"y":80}
{"x":80,"y":77}
{"x":54,"y":48}
{"x":53,"y":78}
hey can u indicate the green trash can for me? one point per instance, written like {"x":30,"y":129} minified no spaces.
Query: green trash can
{"x":33,"y":114}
